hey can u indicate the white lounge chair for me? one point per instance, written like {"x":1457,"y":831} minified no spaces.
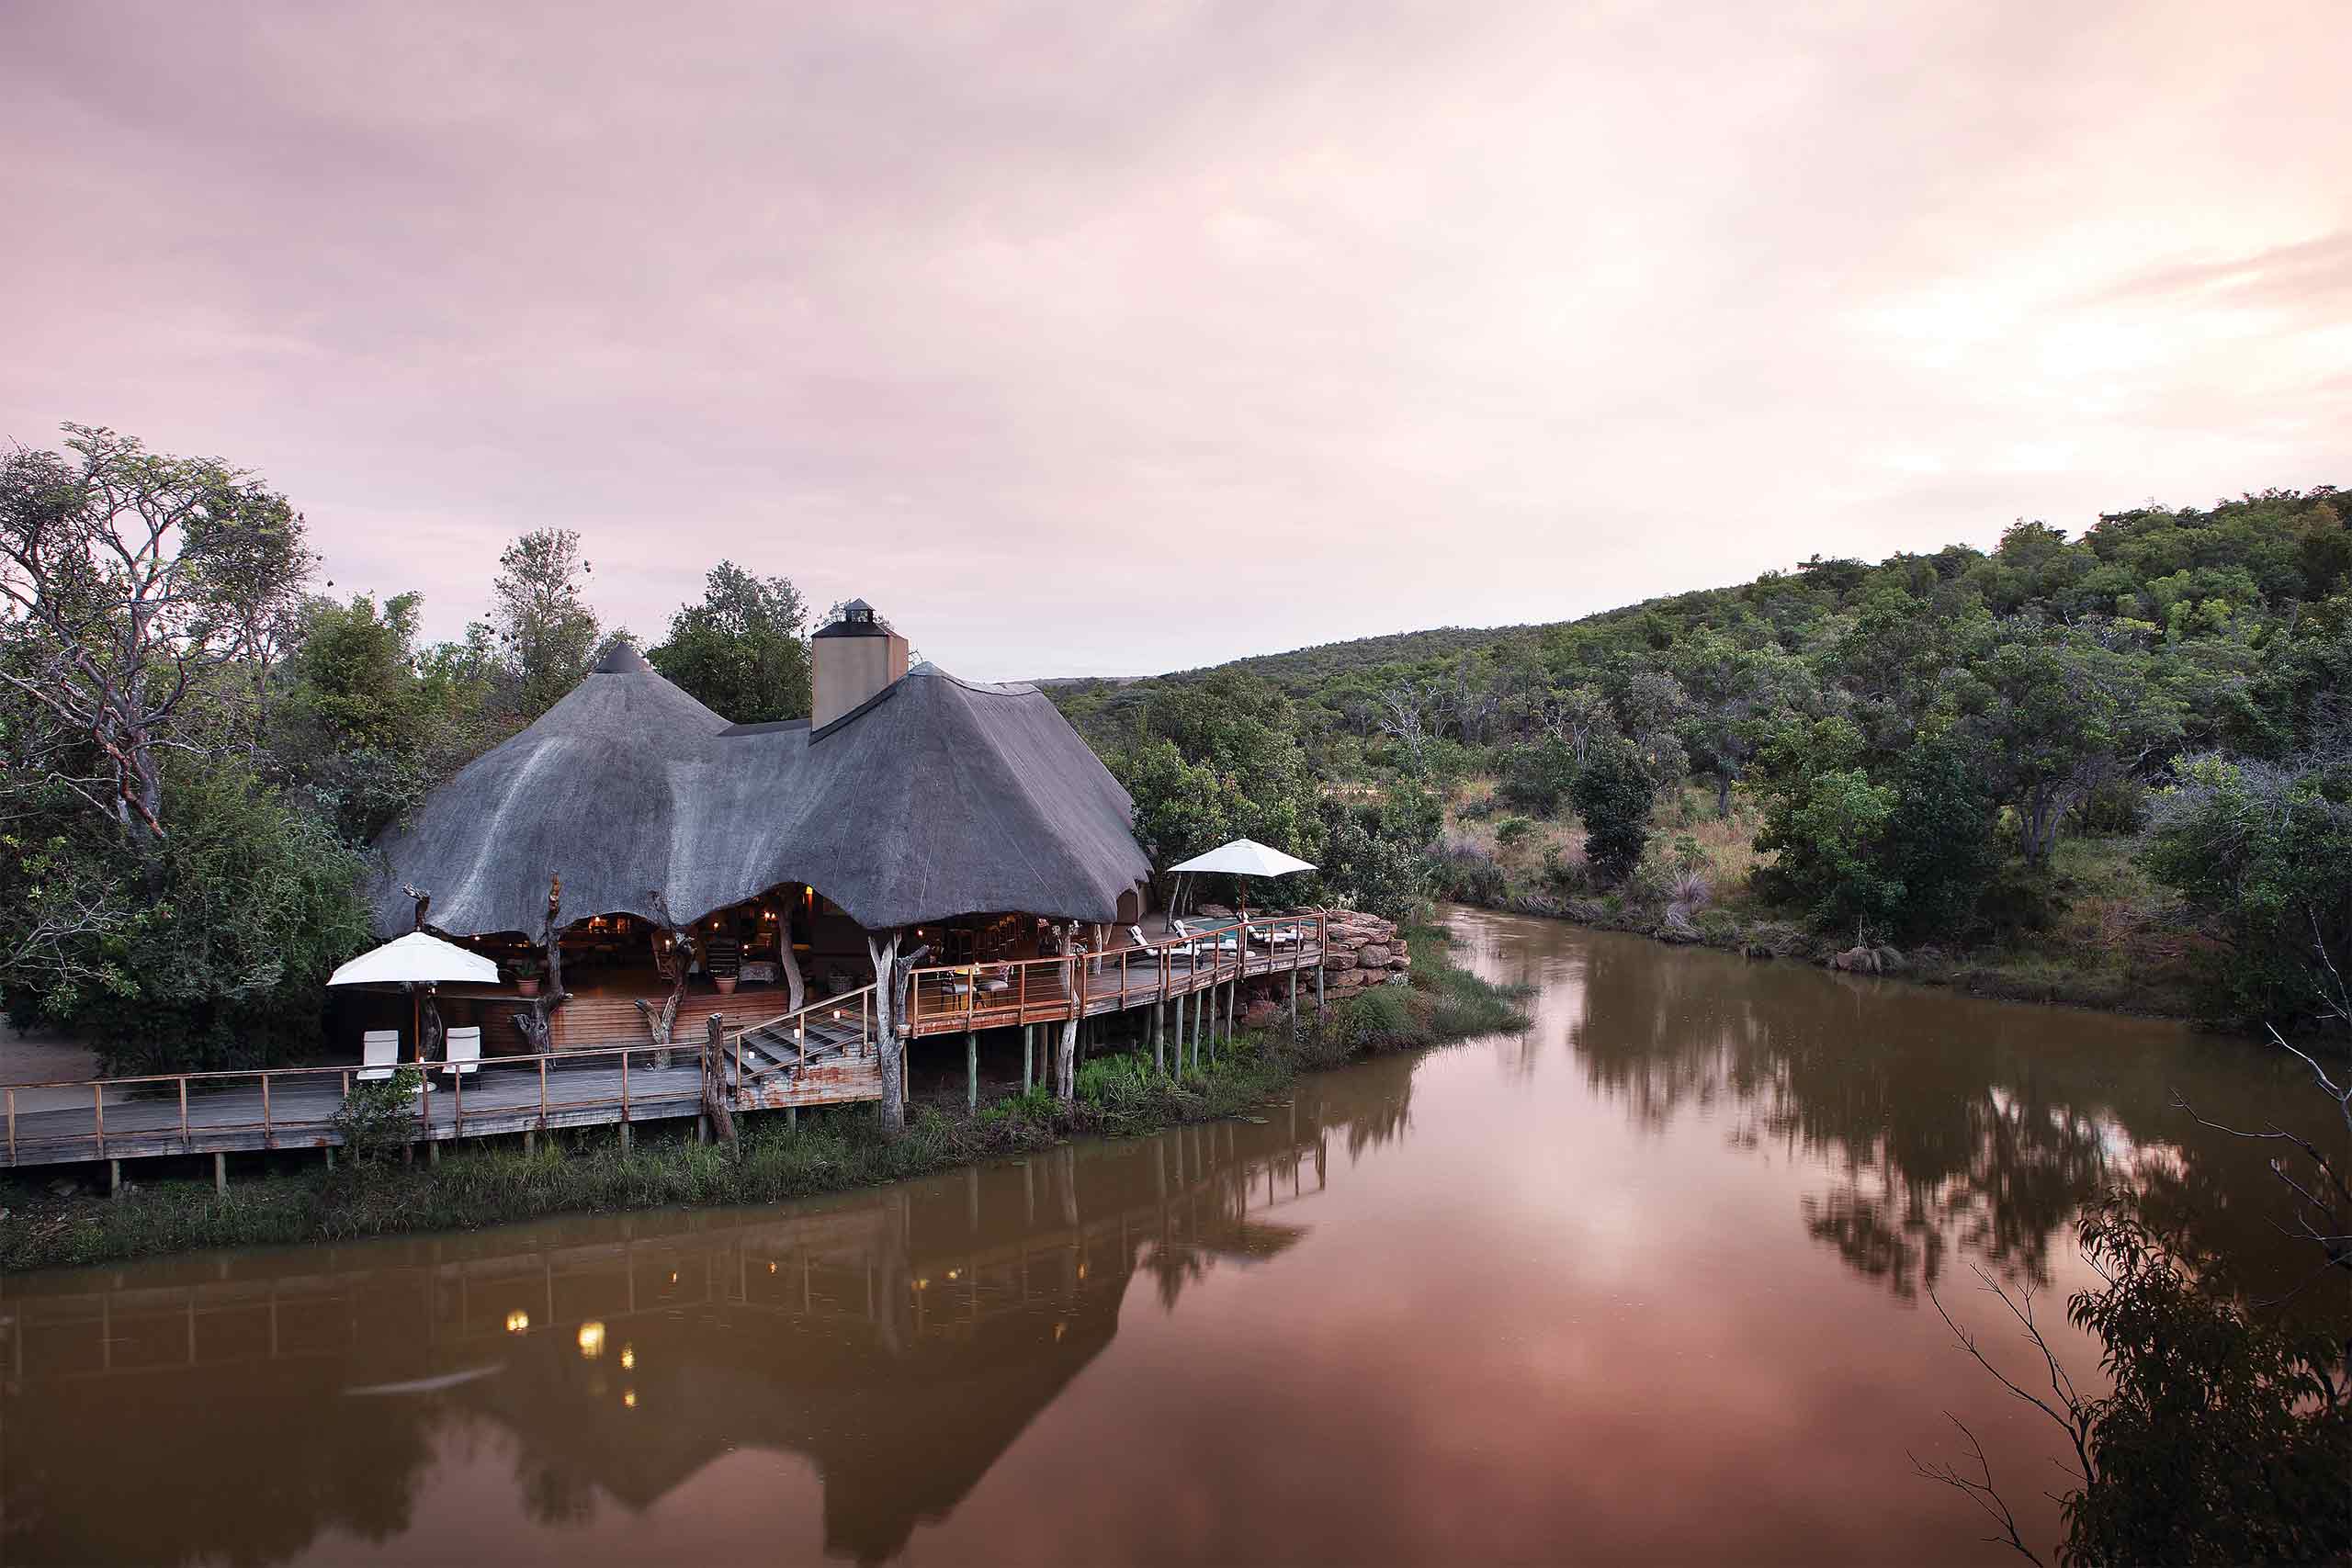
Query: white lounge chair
{"x":380,"y":1050}
{"x":465,"y":1051}
{"x":1176,"y":951}
{"x":1224,"y":942}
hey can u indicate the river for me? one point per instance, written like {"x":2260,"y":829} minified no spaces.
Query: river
{"x":1646,"y":1283}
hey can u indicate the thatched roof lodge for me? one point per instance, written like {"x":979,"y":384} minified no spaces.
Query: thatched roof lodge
{"x":913,"y":800}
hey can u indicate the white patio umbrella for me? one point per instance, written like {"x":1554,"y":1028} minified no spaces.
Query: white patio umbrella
{"x":1242,"y":857}
{"x":415,"y":960}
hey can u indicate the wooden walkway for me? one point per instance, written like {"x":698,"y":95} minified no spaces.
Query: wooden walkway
{"x":823,"y":1055}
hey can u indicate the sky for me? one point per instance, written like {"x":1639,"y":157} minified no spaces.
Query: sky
{"x":1110,"y":339}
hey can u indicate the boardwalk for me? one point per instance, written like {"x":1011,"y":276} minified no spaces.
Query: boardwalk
{"x":823,"y":1055}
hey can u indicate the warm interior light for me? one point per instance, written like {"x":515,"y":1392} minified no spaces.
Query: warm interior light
{"x":771,"y":1268}
{"x":518,"y":1322}
{"x":591,"y":1338}
{"x":628,"y":1398}
{"x":628,"y":1357}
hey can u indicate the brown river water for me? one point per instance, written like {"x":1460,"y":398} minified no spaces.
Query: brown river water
{"x":1647,"y":1283}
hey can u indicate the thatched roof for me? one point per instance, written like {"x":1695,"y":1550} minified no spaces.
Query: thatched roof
{"x":937,"y":798}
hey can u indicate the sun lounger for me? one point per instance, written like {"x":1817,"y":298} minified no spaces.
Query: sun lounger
{"x":465,"y":1051}
{"x":379,"y":1050}
{"x":1224,"y":942}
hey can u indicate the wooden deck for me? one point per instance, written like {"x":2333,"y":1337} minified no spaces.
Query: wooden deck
{"x":823,"y":1055}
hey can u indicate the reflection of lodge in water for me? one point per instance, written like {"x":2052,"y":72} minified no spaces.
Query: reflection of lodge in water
{"x":900,"y":1340}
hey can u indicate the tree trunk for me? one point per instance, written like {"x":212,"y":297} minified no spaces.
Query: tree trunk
{"x":1723,"y":794}
{"x":884,"y":957}
{"x":796,"y":996}
{"x":536,"y":1023}
{"x":1066,"y":1052}
{"x":714,"y":1083}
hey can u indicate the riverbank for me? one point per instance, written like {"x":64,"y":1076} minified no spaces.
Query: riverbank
{"x":1118,"y":1095}
{"x":2109,"y":939}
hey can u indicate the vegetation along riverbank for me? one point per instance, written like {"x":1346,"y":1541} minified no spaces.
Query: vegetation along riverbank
{"x":378,"y":1194}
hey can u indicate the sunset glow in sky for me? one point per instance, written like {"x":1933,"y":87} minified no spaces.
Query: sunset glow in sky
{"x":1117,"y":338}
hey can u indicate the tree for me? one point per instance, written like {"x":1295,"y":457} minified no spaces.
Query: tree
{"x":1940,"y":847}
{"x":2227,"y":1437}
{"x":547,"y":633}
{"x":1825,"y":823}
{"x":2063,"y":713}
{"x":1612,"y":794}
{"x":1538,"y":774}
{"x":2262,"y":851}
{"x":739,"y":652}
{"x":130,"y":583}
{"x":368,"y":726}
{"x":1733,"y":694}
{"x":246,"y":907}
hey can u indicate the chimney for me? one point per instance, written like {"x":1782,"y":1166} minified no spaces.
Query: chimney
{"x":850,"y":661}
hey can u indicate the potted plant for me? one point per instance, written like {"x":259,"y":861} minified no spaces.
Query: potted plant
{"x":526,"y":976}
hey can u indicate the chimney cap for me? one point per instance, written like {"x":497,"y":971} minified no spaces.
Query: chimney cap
{"x":857,"y":618}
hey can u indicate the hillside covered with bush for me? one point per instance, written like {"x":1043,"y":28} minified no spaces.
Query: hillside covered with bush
{"x":2115,"y":767}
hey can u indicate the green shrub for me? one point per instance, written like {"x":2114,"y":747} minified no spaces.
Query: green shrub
{"x":377,"y":1117}
{"x":1612,"y":794}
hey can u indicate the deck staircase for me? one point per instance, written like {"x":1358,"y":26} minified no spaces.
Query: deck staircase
{"x":776,"y":1061}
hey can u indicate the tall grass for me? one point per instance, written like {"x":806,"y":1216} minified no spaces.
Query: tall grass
{"x":829,"y":1151}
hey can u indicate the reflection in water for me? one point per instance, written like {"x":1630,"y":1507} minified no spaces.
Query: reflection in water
{"x":1665,"y":1247}
{"x":1945,"y":1126}
{"x":900,"y":1340}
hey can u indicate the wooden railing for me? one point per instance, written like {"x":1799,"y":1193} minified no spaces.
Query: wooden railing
{"x":296,"y":1107}
{"x":988,"y":994}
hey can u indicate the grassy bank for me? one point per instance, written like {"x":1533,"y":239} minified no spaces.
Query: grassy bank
{"x":829,"y":1152}
{"x":2114,"y":939}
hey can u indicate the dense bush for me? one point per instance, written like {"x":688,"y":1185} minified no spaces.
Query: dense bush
{"x":2264,"y":850}
{"x":1612,"y":794}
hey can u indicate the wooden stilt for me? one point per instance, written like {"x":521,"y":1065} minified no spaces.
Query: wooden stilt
{"x":114,"y":1177}
{"x":792,"y":1117}
{"x":702,"y":1127}
{"x":328,"y":1150}
{"x":433,"y":1152}
{"x":220,"y":1172}
{"x":1028,"y":1056}
{"x":1159,"y":1052}
{"x":530,"y":1142}
{"x":624,"y":1138}
{"x":971,"y":1070}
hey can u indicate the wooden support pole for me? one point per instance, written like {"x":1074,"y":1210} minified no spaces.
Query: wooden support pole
{"x":220,"y":1171}
{"x":114,"y":1179}
{"x":433,"y":1152}
{"x":701,"y":1126}
{"x":1158,"y":1053}
{"x":624,"y":1137}
{"x":1028,"y":1055}
{"x":530,"y":1142}
{"x":328,"y":1149}
{"x":971,"y":1070}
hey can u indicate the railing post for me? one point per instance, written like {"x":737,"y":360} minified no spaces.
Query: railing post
{"x":1021,"y":996}
{"x":458,"y":1106}
{"x":624,"y":1088}
{"x":543,"y":1090}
